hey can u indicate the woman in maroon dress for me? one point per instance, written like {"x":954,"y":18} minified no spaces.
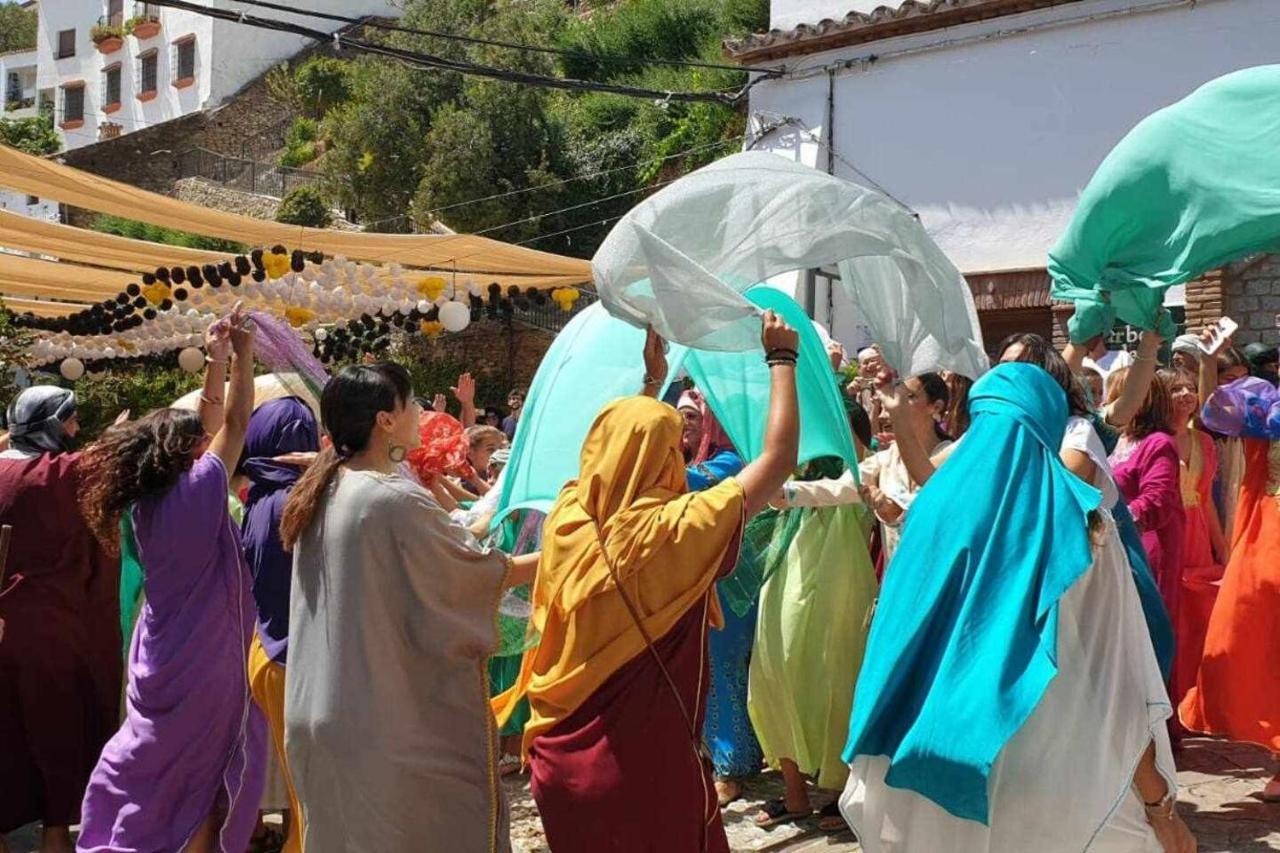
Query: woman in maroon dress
{"x":60,"y":665}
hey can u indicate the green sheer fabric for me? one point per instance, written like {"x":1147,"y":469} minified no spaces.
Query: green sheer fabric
{"x":597,"y":358}
{"x":131,"y":578}
{"x":1189,"y":189}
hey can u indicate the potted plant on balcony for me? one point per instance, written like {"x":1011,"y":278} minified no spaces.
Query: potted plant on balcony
{"x":108,"y":37}
{"x":142,"y":26}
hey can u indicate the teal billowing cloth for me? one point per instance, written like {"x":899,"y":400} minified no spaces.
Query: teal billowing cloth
{"x":1190,"y":188}
{"x":964,"y":641}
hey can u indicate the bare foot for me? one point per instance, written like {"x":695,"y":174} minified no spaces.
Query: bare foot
{"x":728,"y":790}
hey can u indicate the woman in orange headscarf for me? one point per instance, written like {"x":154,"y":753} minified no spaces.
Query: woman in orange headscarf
{"x":623,"y":600}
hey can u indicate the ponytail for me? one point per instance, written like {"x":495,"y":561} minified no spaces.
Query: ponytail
{"x":300,"y":508}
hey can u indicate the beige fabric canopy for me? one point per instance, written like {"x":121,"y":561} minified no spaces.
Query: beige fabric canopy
{"x":79,"y":245}
{"x":24,"y":276}
{"x":43,"y":307}
{"x":461,"y":252}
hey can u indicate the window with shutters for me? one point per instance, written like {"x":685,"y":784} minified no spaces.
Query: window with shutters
{"x":148,"y":72}
{"x":73,"y":104}
{"x":66,"y":44}
{"x":184,"y":60}
{"x":111,"y":86}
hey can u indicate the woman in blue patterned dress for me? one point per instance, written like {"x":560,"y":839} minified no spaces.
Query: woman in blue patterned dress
{"x":735,"y":752}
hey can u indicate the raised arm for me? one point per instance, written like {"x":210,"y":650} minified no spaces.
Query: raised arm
{"x":212,"y":402}
{"x":228,"y":443}
{"x":1138,"y":383}
{"x":762,"y":478}
{"x":1208,"y":370}
{"x":655,"y":364}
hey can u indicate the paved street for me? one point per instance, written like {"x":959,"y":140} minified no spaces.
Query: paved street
{"x":1220,"y":784}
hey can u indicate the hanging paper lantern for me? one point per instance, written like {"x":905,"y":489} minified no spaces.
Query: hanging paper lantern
{"x":191,"y":360}
{"x":71,"y":369}
{"x":455,"y":316}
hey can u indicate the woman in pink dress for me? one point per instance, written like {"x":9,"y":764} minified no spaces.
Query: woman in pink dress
{"x":1205,"y":547}
{"x":1146,"y":468}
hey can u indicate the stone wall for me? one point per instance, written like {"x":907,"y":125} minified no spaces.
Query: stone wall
{"x":1252,"y":298}
{"x":499,"y":357}
{"x":212,"y":195}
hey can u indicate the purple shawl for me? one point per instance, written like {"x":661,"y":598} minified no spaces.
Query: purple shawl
{"x":1248,"y":407}
{"x":192,"y":735}
{"x":286,"y":425}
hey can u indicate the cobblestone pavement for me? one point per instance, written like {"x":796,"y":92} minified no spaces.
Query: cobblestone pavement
{"x":1220,"y":783}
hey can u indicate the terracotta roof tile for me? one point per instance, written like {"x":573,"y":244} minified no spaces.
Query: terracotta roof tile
{"x":911,"y":16}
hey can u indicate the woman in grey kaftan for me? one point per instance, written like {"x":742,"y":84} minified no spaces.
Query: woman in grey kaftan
{"x":387,"y":724}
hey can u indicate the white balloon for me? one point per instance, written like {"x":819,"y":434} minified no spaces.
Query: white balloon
{"x":71,"y":369}
{"x":455,"y":316}
{"x":109,"y":352}
{"x":321,"y":334}
{"x":423,"y":306}
{"x":191,"y":360}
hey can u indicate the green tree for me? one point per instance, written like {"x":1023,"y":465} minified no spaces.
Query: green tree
{"x":32,"y":135}
{"x":15,"y":346}
{"x":305,"y":205}
{"x":17,"y":27}
{"x":323,"y":83}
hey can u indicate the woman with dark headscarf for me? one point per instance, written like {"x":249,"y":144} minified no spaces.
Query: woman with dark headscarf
{"x":277,"y":429}
{"x":59,"y":660}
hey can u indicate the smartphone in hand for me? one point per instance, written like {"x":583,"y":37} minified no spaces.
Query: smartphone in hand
{"x":1219,"y":334}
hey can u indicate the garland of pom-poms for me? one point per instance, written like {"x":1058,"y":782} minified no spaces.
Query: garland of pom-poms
{"x":170,"y":308}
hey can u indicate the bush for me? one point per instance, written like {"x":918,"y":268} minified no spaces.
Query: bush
{"x":32,"y":135}
{"x":122,"y":227}
{"x":305,"y":206}
{"x":18,"y":27}
{"x":300,"y":143}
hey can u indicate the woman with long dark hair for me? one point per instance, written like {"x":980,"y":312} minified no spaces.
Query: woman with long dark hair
{"x":59,"y":657}
{"x":186,"y":769}
{"x":393,"y":613}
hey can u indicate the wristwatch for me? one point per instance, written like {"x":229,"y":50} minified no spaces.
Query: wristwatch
{"x":1164,"y":807}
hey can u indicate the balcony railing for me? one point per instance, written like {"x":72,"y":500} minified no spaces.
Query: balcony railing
{"x":12,"y":104}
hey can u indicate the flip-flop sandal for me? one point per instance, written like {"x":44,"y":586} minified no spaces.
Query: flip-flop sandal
{"x":830,"y":819}
{"x":509,"y":764}
{"x":775,"y":812}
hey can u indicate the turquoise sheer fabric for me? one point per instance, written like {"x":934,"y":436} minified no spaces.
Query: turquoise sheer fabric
{"x":964,"y":642}
{"x":1190,"y":188}
{"x":597,"y":358}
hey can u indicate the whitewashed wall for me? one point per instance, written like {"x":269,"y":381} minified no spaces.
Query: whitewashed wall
{"x":990,"y":137}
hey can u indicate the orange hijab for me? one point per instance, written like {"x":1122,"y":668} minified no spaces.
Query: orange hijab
{"x":666,"y":544}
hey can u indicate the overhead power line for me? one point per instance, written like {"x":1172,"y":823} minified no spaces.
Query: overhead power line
{"x":526,"y":48}
{"x":425,"y":60}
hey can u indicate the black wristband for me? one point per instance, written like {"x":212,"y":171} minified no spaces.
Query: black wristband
{"x":781,"y":351}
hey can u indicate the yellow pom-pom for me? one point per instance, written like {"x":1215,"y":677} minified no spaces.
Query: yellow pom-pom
{"x":431,"y":328}
{"x":157,"y":293}
{"x":432,"y":287}
{"x":276,"y":264}
{"x":565,"y":297}
{"x":298,"y":316}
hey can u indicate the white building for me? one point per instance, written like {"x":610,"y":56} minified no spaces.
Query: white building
{"x":985,"y":117}
{"x":18,"y":77}
{"x":111,"y":67}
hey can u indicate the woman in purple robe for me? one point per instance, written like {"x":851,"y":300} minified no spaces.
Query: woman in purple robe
{"x":186,"y":770}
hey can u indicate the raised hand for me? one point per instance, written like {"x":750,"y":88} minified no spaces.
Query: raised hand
{"x":655,"y":360}
{"x":465,"y":391}
{"x":439,"y":403}
{"x":240,"y":331}
{"x":775,"y":334}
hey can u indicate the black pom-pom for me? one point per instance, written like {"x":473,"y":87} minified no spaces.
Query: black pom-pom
{"x":148,"y":279}
{"x":277,"y":249}
{"x":180,"y":294}
{"x":233,"y":278}
{"x":259,"y":276}
{"x":150,"y":313}
{"x":140,"y":303}
{"x":433,"y":314}
{"x":316,"y":257}
{"x":197,"y":283}
{"x":256,"y":257}
{"x":193,"y":275}
{"x":537,"y":296}
{"x":167,"y":304}
{"x":162,"y":273}
{"x":495,"y":289}
{"x":122,"y":298}
{"x":297,"y":261}
{"x":513,"y":291}
{"x":117,"y":326}
{"x":210,"y":273}
{"x":225,"y":269}
{"x":178,"y":275}
{"x":243,"y":267}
